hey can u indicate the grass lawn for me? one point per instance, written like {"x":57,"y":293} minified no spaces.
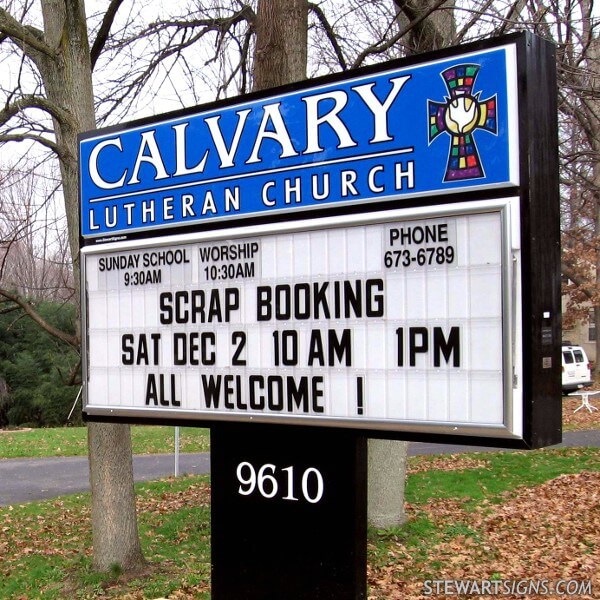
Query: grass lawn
{"x":460,"y":507}
{"x":45,"y":550}
{"x":72,"y":441}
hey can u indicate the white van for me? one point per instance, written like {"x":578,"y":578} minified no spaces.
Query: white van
{"x":576,"y":370}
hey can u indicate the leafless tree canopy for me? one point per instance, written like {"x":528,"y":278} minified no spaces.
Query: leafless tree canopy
{"x":34,"y":255}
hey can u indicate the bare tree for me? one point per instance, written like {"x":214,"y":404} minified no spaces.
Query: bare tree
{"x":55,"y":80}
{"x":34,"y":257}
{"x":198,"y":52}
{"x":577,"y":34}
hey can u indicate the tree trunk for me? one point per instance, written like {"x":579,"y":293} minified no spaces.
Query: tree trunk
{"x":594,"y":121}
{"x":387,"y":476}
{"x":387,"y":459}
{"x":281,"y":42}
{"x":114,"y":523}
{"x":68,"y":82}
{"x":435,"y":31}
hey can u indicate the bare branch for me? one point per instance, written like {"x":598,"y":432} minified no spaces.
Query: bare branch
{"x":30,"y":311}
{"x":23,"y":137}
{"x":474,"y":18}
{"x":31,"y":101}
{"x":244,"y":51}
{"x":27,"y":38}
{"x":166,"y":42}
{"x":380,"y":47}
{"x":107,"y":21}
{"x":318,"y":11}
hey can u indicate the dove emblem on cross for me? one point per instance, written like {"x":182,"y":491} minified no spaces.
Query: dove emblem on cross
{"x":460,"y":116}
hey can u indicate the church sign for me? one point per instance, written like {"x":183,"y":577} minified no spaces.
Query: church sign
{"x":375,"y":250}
{"x":440,"y":127}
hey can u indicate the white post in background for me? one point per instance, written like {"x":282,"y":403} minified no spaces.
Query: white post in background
{"x":176,"y":451}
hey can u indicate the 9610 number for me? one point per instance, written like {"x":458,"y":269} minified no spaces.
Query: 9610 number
{"x":271,"y":482}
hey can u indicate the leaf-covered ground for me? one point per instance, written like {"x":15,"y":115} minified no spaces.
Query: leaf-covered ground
{"x":548,"y":532}
{"x":583,"y":419}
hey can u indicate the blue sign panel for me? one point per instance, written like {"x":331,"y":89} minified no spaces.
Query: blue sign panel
{"x":428,"y":129}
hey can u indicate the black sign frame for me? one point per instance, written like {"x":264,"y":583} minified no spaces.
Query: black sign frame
{"x":540,"y":240}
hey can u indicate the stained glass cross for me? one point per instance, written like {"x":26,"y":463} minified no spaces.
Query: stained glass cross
{"x":460,"y":116}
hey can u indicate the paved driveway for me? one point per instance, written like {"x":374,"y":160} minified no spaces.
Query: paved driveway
{"x":27,"y":479}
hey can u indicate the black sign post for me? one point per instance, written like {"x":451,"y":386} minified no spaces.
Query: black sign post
{"x":288,"y":512}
